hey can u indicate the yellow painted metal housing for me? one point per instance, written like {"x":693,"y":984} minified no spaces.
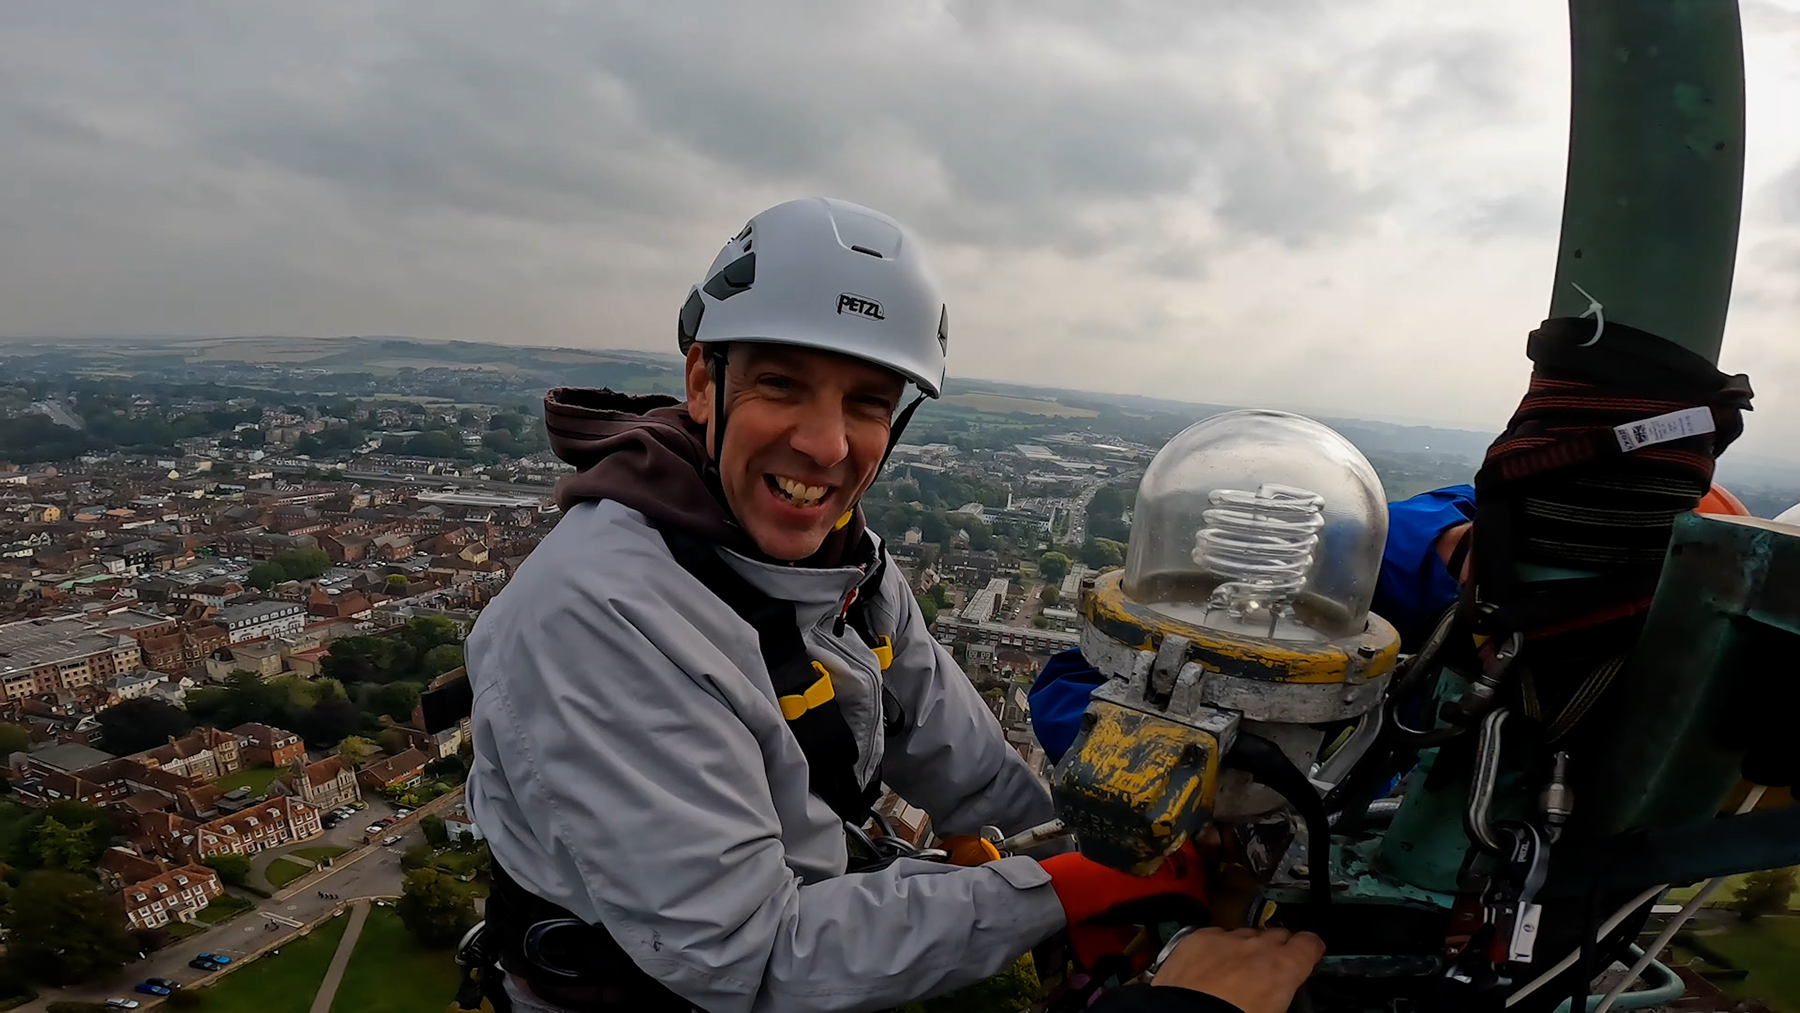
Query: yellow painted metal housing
{"x":1135,"y":785}
{"x":1356,"y":659}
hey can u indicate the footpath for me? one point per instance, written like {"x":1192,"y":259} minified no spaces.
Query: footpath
{"x":359,"y":913}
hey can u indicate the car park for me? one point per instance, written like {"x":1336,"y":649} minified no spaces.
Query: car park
{"x":149,"y":989}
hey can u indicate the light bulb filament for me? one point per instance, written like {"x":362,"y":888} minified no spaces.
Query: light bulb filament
{"x":1262,"y":542}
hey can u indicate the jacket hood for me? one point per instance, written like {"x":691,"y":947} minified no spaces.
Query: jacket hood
{"x":644,"y":451}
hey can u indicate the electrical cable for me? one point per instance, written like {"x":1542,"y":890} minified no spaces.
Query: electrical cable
{"x":1606,"y":927}
{"x":1707,"y":889}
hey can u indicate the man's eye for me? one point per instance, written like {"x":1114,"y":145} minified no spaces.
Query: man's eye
{"x":777,"y":382}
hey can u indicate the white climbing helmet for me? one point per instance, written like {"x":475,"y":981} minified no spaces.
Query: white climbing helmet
{"x":826,"y":274}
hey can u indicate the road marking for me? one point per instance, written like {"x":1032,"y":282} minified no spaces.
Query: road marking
{"x":284,"y":919}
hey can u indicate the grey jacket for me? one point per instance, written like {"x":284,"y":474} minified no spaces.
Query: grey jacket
{"x":632,"y":765}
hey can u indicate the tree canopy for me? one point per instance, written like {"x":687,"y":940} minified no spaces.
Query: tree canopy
{"x":65,"y":929}
{"x":1764,"y":893}
{"x":435,"y":908}
{"x":133,"y":726}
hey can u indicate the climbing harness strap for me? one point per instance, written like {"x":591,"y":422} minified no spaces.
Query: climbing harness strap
{"x":1610,"y":443}
{"x":802,"y":685}
{"x":1614,"y":439}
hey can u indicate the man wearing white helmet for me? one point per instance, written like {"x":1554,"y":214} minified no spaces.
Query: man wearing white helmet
{"x":708,"y":669}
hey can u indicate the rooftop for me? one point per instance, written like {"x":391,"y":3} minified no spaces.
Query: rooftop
{"x":26,"y":644}
{"x":70,"y":757}
{"x":258,"y":610}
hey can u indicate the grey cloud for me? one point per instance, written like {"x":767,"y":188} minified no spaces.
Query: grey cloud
{"x":574,"y":113}
{"x":1786,"y":192}
{"x":1533,"y":212}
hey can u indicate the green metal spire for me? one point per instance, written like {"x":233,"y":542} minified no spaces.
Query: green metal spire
{"x":1656,"y":166}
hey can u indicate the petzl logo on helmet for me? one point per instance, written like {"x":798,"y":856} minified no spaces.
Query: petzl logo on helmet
{"x":860,"y":306}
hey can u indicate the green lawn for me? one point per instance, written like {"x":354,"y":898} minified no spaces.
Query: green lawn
{"x":223,"y":908}
{"x":254,"y":778}
{"x":279,"y":984}
{"x":1769,"y":948}
{"x":281,"y":872}
{"x":317,"y":854}
{"x":391,"y":973}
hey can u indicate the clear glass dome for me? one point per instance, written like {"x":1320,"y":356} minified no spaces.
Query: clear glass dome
{"x":1259,"y":523}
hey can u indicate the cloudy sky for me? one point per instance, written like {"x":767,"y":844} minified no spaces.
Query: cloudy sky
{"x":1297,"y":203}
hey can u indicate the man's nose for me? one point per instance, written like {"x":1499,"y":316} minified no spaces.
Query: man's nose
{"x":822,"y":436}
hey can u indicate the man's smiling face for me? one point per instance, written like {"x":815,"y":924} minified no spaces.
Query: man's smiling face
{"x":805,"y":433}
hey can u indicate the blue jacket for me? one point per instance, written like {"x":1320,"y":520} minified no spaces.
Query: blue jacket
{"x":1412,"y":591}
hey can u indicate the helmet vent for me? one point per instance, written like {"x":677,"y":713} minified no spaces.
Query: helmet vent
{"x":872,"y":253}
{"x":733,"y":278}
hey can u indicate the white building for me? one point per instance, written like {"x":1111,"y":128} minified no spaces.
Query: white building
{"x":262,"y":619}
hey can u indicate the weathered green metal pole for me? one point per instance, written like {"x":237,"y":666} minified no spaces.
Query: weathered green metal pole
{"x":1656,"y":166}
{"x":1649,"y":231}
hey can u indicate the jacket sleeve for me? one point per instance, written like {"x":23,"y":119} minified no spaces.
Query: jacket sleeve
{"x":952,"y":760}
{"x":646,"y":803}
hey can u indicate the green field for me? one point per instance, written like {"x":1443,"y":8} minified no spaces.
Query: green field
{"x":316,"y":854}
{"x":257,"y":779}
{"x":1002,"y":404}
{"x":391,"y":973}
{"x":1769,"y":948}
{"x":223,"y":908}
{"x":281,"y":872}
{"x":279,"y":984}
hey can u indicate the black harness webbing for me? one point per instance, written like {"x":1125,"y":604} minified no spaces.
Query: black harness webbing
{"x":802,"y":686}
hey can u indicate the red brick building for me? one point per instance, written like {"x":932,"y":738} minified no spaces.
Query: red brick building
{"x":266,"y":746}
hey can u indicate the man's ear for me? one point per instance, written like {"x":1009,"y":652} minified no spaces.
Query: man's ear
{"x":699,"y":385}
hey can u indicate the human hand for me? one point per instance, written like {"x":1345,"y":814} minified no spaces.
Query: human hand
{"x":1256,"y":970}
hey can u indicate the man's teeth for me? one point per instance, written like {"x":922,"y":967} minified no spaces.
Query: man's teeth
{"x":799,"y":492}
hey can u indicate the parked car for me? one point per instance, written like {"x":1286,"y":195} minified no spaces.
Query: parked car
{"x":149,"y":989}
{"x":168,"y":983}
{"x":384,"y":821}
{"x":402,"y":812}
{"x":203,"y":965}
{"x":122,"y":1003}
{"x":374,"y":828}
{"x":391,"y":840}
{"x":215,"y":958}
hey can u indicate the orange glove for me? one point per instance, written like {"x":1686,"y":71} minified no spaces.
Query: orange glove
{"x":967,"y":849}
{"x":1103,"y":906}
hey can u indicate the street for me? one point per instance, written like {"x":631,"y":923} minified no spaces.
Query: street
{"x":376,"y":873}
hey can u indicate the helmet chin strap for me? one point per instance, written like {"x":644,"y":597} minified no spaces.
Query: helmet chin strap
{"x":717,"y":367}
{"x":898,"y":428}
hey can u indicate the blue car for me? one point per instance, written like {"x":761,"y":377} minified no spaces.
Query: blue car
{"x":149,"y":989}
{"x":214,"y":957}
